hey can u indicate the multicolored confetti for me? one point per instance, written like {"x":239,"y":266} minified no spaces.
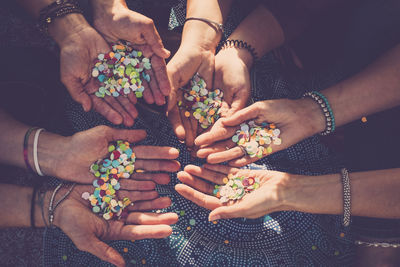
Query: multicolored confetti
{"x":118,"y":164}
{"x":121,"y":71}
{"x":203,"y":104}
{"x":236,"y":188}
{"x":255,"y":139}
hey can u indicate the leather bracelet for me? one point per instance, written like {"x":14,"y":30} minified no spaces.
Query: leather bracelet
{"x":33,"y":207}
{"x":216,"y":25}
{"x":57,"y":9}
{"x":239,"y":44}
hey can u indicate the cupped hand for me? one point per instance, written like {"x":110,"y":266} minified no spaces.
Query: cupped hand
{"x":115,"y":21}
{"x":88,"y":231}
{"x":79,"y":151}
{"x":269,"y":197}
{"x":296,"y":119}
{"x":188,"y":61}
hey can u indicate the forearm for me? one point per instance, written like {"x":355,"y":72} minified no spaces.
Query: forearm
{"x":50,"y":146}
{"x":60,"y":28}
{"x":374,"y":89}
{"x":261,"y":30}
{"x":19,"y":198}
{"x":200,"y":33}
{"x":373,"y":194}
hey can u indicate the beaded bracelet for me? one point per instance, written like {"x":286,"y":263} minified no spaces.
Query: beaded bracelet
{"x":239,"y":44}
{"x":346,"y":197}
{"x":56,"y":9}
{"x":25,"y":147}
{"x":326,"y":109}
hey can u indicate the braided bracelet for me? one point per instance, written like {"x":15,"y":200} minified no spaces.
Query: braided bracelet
{"x":346,"y":197}
{"x":56,"y":9}
{"x":326,"y":109}
{"x":239,"y":44}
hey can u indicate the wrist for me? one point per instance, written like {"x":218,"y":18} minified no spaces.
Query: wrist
{"x":311,"y":115}
{"x":239,"y":54}
{"x":63,"y":28}
{"x":200,"y":34}
{"x":51,"y":148}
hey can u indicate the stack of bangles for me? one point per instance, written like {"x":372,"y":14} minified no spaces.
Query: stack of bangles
{"x":35,"y":150}
{"x":326,"y":109}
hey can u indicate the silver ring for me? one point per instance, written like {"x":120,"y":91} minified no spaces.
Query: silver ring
{"x":243,"y":150}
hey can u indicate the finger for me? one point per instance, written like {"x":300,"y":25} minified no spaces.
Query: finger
{"x":227,"y":212}
{"x":128,"y":106}
{"x":243,"y":161}
{"x":158,"y":178}
{"x":155,"y":204}
{"x":160,"y":71}
{"x":216,"y":133}
{"x":131,"y":136}
{"x":127,"y":119}
{"x":242,"y":115}
{"x":199,"y":198}
{"x":137,"y":232}
{"x":104,"y":109}
{"x":151,"y":218}
{"x":156,"y":152}
{"x":153,"y":39}
{"x":205,"y":151}
{"x":175,"y":119}
{"x":132,"y":98}
{"x":189,"y":135}
{"x":159,"y":98}
{"x":128,"y":184}
{"x":206,"y":70}
{"x":147,"y":93}
{"x":137,"y":195}
{"x":226,"y":155}
{"x":221,"y":168}
{"x":195,"y":182}
{"x":194,"y":125}
{"x":157,"y":165}
{"x":104,"y":252}
{"x":209,"y":175}
{"x":78,"y":93}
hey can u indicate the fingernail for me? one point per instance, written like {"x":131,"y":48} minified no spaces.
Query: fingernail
{"x":213,"y":218}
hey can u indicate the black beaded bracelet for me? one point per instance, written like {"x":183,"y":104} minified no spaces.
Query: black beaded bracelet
{"x":239,"y":44}
{"x":56,"y":9}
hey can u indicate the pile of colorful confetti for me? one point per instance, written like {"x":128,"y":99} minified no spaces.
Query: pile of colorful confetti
{"x":118,"y":164}
{"x":202,"y":103}
{"x":255,"y":139}
{"x":235,"y":187}
{"x":119,"y":71}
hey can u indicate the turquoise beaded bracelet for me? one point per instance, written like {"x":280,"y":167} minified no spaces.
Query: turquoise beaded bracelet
{"x":326,"y":109}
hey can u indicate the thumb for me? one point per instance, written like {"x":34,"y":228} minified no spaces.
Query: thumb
{"x":78,"y":94}
{"x":105,"y":252}
{"x":240,"y":116}
{"x":227,"y":212}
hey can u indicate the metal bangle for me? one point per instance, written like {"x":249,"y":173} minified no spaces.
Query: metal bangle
{"x":216,"y":25}
{"x":346,"y":197}
{"x":377,"y":244}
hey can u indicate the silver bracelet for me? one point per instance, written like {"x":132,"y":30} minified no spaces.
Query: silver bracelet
{"x":323,"y":102}
{"x":218,"y":26}
{"x":346,"y":197}
{"x":377,"y":244}
{"x":52,"y":208}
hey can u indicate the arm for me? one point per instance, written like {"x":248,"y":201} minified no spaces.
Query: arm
{"x":373,"y":193}
{"x":69,"y":158}
{"x":86,"y":229}
{"x":374,"y":89}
